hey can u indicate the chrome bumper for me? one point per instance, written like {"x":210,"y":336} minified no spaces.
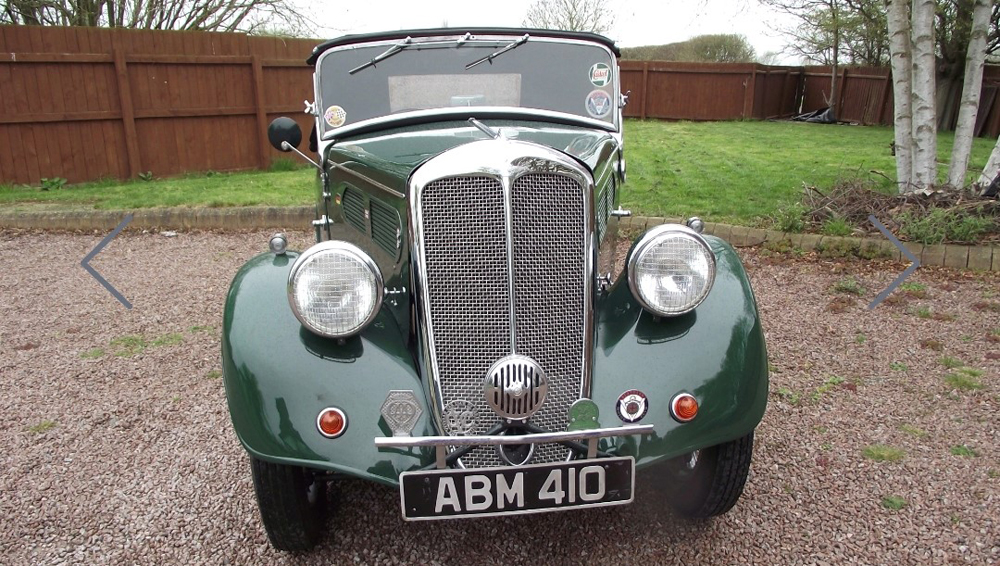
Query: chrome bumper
{"x":442,"y":442}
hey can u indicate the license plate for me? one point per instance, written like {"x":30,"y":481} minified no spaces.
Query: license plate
{"x":510,"y":490}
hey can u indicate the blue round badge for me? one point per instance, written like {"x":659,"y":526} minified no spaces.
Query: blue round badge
{"x":598,"y":104}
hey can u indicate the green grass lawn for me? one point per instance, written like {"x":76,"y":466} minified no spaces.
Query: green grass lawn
{"x":744,"y":172}
{"x":741,"y":172}
{"x":253,"y":188}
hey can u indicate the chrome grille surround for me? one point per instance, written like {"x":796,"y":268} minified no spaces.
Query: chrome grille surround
{"x":491,"y":242}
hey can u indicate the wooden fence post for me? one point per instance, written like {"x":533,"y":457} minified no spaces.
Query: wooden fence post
{"x":784,"y":92}
{"x":645,"y":89}
{"x":800,"y":91}
{"x":749,"y":93}
{"x":886,"y":87}
{"x":763,"y":93}
{"x":843,"y":85}
{"x":258,"y":100}
{"x":128,"y":113}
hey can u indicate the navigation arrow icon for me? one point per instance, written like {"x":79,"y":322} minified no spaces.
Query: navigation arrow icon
{"x":86,"y":262}
{"x":906,"y":272}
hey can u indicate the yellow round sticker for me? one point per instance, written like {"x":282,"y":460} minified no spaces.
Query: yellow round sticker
{"x":335,"y":116}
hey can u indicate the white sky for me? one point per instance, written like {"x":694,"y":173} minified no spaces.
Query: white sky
{"x":639,"y":22}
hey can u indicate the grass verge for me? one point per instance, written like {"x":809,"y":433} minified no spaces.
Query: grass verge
{"x":742,"y":172}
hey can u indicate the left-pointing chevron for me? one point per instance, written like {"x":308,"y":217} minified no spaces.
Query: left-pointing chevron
{"x":86,"y":262}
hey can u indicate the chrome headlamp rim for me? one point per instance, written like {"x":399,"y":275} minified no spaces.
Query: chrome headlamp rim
{"x":358,"y":254}
{"x":652,"y":236}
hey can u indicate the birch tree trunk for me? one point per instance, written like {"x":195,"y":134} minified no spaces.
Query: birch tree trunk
{"x":835,"y":68}
{"x":923,"y":95}
{"x":969,"y":106}
{"x":898,"y":19}
{"x":992,"y":168}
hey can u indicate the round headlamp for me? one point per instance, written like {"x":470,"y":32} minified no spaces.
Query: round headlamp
{"x":335,"y":289}
{"x":671,"y":270}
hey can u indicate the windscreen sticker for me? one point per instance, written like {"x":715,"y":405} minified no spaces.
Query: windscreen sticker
{"x":598,"y":104}
{"x":600,"y":74}
{"x":335,"y":116}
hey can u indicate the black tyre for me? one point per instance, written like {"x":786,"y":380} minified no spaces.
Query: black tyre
{"x":708,"y":482}
{"x":292,"y":504}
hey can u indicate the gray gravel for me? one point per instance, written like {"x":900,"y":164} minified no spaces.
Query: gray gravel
{"x":131,"y":458}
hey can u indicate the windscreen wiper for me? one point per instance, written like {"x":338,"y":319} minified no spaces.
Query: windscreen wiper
{"x":489,"y":58}
{"x":385,"y":55}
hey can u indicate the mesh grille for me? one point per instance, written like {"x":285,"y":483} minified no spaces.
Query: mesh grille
{"x":467,"y":286}
{"x":549,"y":295}
{"x":465,"y":248}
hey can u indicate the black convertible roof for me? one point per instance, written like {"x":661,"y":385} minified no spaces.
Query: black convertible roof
{"x":403,"y":34}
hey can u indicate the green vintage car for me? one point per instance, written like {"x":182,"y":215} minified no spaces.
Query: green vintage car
{"x":463,"y":330}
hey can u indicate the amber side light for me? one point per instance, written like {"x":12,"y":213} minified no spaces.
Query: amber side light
{"x":332,"y":422}
{"x":684,"y":407}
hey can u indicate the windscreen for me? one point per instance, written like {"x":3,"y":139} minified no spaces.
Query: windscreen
{"x":435,"y":73}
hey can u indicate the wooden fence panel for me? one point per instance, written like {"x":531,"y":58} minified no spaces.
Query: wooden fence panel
{"x":89,"y":103}
{"x":86,"y":103}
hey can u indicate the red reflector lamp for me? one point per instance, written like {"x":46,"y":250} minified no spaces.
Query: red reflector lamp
{"x":683,"y":407}
{"x":331,"y":422}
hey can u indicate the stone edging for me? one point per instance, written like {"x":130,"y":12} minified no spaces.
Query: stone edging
{"x":232,"y":218}
{"x":981,"y":258}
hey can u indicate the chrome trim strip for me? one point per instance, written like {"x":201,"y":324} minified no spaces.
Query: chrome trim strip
{"x":463,"y":112}
{"x":367,"y":179}
{"x":505,"y":160}
{"x":508,"y":209}
{"x":534,"y":438}
{"x":589,"y":269}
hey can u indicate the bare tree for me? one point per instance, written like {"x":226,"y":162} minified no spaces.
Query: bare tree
{"x":973,"y":84}
{"x":200,"y":15}
{"x":818,"y":34}
{"x":596,"y":16}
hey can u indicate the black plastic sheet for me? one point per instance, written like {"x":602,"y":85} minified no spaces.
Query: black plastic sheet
{"x":821,"y":116}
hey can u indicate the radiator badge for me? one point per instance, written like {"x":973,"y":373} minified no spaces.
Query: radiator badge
{"x":632,"y":406}
{"x":401,"y":411}
{"x":460,"y":416}
{"x":583,"y":415}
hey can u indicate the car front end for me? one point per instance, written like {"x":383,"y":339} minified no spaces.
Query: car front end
{"x":469,"y":328}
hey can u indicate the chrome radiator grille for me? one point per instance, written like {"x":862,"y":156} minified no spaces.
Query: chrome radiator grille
{"x":467,"y":270}
{"x":548,"y":291}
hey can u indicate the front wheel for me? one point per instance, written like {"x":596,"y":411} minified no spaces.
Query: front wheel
{"x":292,"y":503}
{"x":708,"y":482}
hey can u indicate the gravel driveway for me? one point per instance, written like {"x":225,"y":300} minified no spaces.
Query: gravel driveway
{"x":117,"y":448}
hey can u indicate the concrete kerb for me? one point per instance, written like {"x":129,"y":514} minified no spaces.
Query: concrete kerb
{"x":235,"y":219}
{"x":980,"y":258}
